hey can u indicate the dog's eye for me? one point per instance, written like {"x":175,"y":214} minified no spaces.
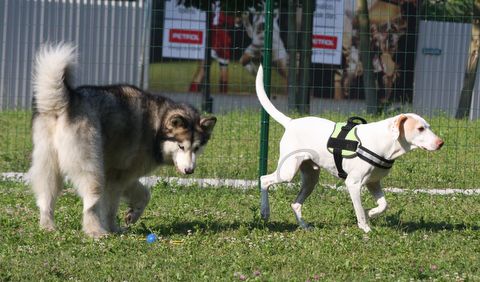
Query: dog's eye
{"x":181,"y":147}
{"x":421,"y":128}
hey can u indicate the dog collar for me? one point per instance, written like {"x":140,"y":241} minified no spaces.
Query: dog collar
{"x":344,"y":143}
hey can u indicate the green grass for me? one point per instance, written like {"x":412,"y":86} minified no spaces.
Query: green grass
{"x":421,"y":237}
{"x":234,"y":148}
{"x":165,"y":77}
{"x":15,"y":140}
{"x":233,"y":151}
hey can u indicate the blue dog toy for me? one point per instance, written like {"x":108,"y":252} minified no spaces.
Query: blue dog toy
{"x":151,"y":238}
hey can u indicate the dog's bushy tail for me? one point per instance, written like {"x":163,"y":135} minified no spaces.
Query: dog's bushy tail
{"x":266,"y":103}
{"x":52,"y":73}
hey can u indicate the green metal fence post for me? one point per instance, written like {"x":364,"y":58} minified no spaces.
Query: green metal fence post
{"x":370,"y":88}
{"x":267,"y":58}
{"x":207,"y":102}
{"x":292,"y":45}
{"x":303,"y":98}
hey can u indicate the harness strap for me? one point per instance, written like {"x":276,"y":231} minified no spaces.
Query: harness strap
{"x":335,"y":142}
{"x":339,"y":143}
{"x":374,"y":159}
{"x":337,"y":152}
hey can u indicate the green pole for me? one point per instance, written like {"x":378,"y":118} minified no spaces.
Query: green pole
{"x":292,"y":45}
{"x":207,"y":102}
{"x":368,"y":78}
{"x":303,"y":98}
{"x":267,"y":59}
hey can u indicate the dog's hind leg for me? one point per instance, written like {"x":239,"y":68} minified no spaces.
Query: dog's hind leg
{"x":112,"y":194}
{"x":377,"y":192}
{"x":95,"y":202}
{"x":310,"y":176}
{"x":46,"y":180}
{"x":286,"y":170}
{"x":80,"y":156}
{"x":137,"y":197}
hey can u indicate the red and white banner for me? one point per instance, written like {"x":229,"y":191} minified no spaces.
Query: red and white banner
{"x":327,"y":33}
{"x":186,"y":36}
{"x":184,"y":32}
{"x":324,"y":42}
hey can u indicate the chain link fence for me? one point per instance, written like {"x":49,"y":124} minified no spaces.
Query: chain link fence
{"x":331,"y":59}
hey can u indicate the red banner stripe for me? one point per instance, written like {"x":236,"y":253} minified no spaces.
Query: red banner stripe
{"x":186,"y":36}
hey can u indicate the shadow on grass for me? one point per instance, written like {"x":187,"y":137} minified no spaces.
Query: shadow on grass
{"x":281,"y":226}
{"x":394,"y":221}
{"x":184,"y":227}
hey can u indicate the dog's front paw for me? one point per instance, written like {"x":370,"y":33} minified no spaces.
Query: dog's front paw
{"x":364,"y":227}
{"x":372,"y":213}
{"x":132,"y":216}
{"x":382,"y":207}
{"x":115,"y":228}
{"x":305,"y":226}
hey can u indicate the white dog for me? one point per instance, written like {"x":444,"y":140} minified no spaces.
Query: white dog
{"x":304,"y":146}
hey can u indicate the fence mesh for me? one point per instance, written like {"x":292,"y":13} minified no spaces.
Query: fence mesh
{"x":331,"y":59}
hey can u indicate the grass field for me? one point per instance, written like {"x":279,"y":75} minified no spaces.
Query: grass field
{"x":233,"y":151}
{"x":165,"y":77}
{"x":215,"y":235}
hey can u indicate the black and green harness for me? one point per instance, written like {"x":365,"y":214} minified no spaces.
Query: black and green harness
{"x":344,"y":143}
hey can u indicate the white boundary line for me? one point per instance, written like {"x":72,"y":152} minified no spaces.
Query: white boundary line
{"x":249,"y":184}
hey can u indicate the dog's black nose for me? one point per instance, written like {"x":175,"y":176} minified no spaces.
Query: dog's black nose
{"x":189,"y":170}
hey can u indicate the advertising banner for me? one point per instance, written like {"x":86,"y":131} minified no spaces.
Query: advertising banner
{"x":327,"y":32}
{"x":184,"y":32}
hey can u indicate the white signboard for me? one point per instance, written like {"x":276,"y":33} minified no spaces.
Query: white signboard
{"x":184,"y":32}
{"x":327,"y":32}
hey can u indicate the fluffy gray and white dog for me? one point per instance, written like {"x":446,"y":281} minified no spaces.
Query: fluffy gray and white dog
{"x":104,"y":138}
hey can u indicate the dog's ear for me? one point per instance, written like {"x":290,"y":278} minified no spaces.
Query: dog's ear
{"x":208,"y":123}
{"x":397,"y":125}
{"x":177,"y":121}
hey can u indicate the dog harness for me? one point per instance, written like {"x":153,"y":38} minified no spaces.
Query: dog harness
{"x":344,"y":143}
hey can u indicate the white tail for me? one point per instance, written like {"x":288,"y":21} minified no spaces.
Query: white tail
{"x":53,"y":67}
{"x":266,"y":104}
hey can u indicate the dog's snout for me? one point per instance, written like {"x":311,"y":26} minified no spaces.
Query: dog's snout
{"x":189,"y":170}
{"x":439,"y":143}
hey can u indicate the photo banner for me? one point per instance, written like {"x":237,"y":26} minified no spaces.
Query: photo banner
{"x":327,"y":33}
{"x":184,"y":32}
